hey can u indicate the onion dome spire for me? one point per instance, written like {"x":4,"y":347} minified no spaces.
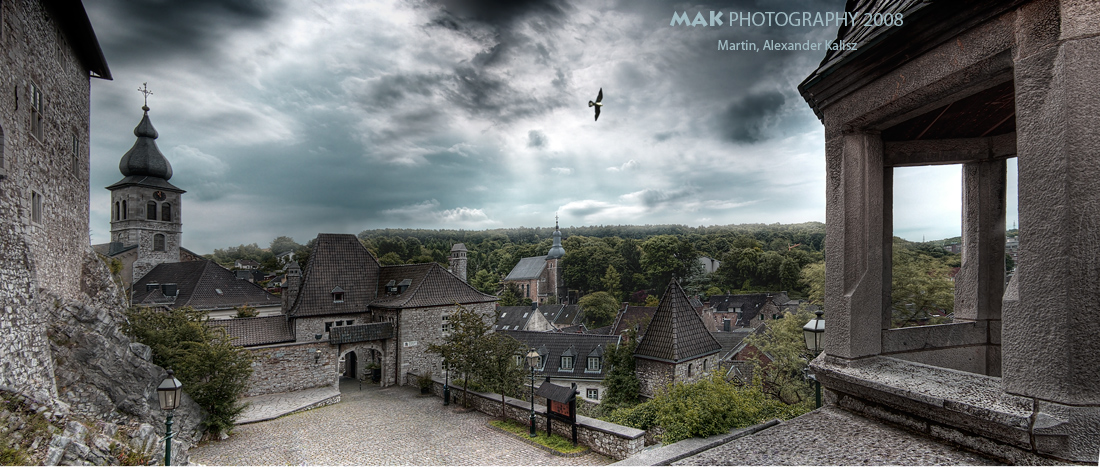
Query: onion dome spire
{"x":144,"y":158}
{"x":556,"y":251}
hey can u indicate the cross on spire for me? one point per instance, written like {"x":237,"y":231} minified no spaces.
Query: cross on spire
{"x":555,"y":220}
{"x":145,"y":91}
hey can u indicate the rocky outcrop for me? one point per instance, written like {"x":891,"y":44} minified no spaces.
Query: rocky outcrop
{"x":106,"y":409}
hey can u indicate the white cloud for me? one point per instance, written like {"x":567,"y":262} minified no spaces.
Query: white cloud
{"x":562,"y":171}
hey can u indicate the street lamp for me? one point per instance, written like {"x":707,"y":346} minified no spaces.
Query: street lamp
{"x":169,"y":391}
{"x":532,"y":362}
{"x":814,"y":332}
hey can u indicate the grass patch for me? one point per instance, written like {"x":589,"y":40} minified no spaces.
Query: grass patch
{"x":554,"y":442}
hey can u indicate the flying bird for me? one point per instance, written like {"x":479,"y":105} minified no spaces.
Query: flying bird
{"x":597,"y":104}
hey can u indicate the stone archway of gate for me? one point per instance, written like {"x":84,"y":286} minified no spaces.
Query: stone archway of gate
{"x":373,"y":361}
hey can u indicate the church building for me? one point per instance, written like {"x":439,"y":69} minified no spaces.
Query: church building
{"x":540,"y":277}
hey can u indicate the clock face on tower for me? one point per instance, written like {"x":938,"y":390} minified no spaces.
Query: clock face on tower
{"x":159,"y":195}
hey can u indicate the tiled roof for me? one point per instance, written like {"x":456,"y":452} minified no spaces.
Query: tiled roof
{"x":553,"y":344}
{"x":676,"y":333}
{"x":513,"y":317}
{"x":570,"y":314}
{"x":550,"y":312}
{"x":731,"y":340}
{"x":112,"y":248}
{"x":528,"y":268}
{"x":633,"y":316}
{"x":864,"y":33}
{"x":202,"y":285}
{"x":337,"y":260}
{"x":605,"y":330}
{"x":431,"y":285}
{"x":556,"y":393}
{"x":247,"y":332}
{"x":750,"y":304}
{"x":360,"y":333}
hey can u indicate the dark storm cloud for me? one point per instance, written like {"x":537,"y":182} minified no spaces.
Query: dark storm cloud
{"x":148,"y":29}
{"x":747,"y":119}
{"x":499,"y":13}
{"x":536,"y":139}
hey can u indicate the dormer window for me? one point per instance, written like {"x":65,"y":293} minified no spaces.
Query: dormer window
{"x":404,"y":285}
{"x":567,"y":363}
{"x":391,"y":287}
{"x":337,"y":295}
{"x":567,"y":358}
{"x":593,"y":364}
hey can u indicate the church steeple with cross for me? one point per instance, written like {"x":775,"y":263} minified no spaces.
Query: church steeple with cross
{"x":146,"y":209}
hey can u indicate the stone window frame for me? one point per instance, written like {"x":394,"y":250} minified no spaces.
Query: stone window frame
{"x":151,"y":211}
{"x":36,"y":207}
{"x":37,"y":107}
{"x":3,"y":165}
{"x":75,"y":156}
{"x":116,"y":210}
{"x":160,"y":243}
{"x":124,"y":210}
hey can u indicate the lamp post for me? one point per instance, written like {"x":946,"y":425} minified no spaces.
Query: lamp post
{"x":169,"y":391}
{"x":814,"y":332}
{"x":532,"y":362}
{"x":446,"y":385}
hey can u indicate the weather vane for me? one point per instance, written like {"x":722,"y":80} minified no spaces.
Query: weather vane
{"x":145,"y":91}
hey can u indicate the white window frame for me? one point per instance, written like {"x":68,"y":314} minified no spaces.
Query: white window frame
{"x":590,"y":361}
{"x":592,"y":393}
{"x":566,"y":360}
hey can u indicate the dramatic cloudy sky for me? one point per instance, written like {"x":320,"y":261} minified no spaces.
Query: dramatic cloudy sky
{"x":299,"y":117}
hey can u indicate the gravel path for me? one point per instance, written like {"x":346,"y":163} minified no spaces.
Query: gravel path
{"x":378,"y":427}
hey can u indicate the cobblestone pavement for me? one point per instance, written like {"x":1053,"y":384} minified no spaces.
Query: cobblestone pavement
{"x":378,"y":427}
{"x":271,"y":406}
{"x":833,"y":437}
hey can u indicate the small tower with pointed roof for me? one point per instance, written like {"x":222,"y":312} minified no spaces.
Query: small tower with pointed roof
{"x":146,"y":209}
{"x":458,"y":261}
{"x":677,"y":347}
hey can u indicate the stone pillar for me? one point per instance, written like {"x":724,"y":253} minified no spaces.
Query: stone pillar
{"x":854,"y":301}
{"x":979,"y":285}
{"x":1051,"y":326}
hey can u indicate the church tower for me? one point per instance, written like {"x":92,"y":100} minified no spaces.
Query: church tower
{"x":145,"y":208}
{"x":554,"y":267}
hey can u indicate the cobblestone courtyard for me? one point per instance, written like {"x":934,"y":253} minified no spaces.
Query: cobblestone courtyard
{"x":378,"y":427}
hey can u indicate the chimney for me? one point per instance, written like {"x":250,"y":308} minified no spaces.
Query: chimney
{"x":293,"y":283}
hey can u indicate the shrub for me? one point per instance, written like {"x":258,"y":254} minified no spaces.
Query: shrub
{"x":214,"y":372}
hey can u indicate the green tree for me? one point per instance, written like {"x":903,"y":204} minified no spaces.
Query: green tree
{"x":283,"y":244}
{"x":621,"y":384}
{"x":391,"y":258}
{"x":813,"y":276}
{"x":462,"y":348}
{"x":486,"y":282}
{"x":665,"y":257}
{"x":612,"y":283}
{"x":782,"y":340}
{"x":512,"y":296}
{"x":600,"y":309}
{"x":498,"y":368}
{"x":214,"y":372}
{"x":245,"y":311}
{"x":652,"y":300}
{"x":921,"y":289}
{"x":713,"y":291}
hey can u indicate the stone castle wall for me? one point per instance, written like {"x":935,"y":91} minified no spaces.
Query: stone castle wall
{"x":292,"y":367}
{"x":25,"y":364}
{"x":46,"y":166}
{"x":420,"y":327}
{"x":654,"y":376}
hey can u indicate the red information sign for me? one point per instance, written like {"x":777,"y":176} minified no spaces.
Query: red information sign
{"x":560,"y":408}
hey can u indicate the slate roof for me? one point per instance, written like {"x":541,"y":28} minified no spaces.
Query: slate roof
{"x":630,"y":316}
{"x":248,"y":332}
{"x":198,"y":283}
{"x":553,"y":344}
{"x":750,"y":304}
{"x":337,"y":260}
{"x":73,"y":21}
{"x":528,"y":268}
{"x":676,"y":333}
{"x":731,"y":341}
{"x":513,"y":317}
{"x":570,"y":314}
{"x":431,"y":285}
{"x":112,"y":248}
{"x":605,"y":330}
{"x":556,"y":393}
{"x":360,"y":333}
